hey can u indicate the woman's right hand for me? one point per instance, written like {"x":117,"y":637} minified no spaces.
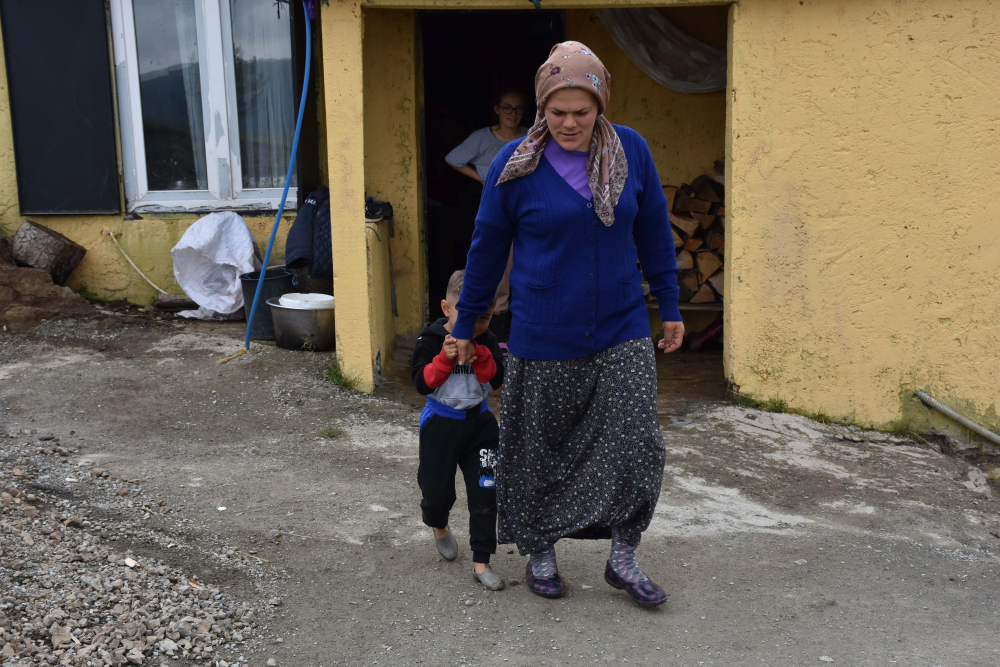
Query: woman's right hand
{"x":466,"y":351}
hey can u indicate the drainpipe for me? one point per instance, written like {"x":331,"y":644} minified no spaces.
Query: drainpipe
{"x":967,"y":423}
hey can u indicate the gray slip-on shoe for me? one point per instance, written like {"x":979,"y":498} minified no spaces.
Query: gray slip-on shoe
{"x":489,"y":579}
{"x":446,"y":546}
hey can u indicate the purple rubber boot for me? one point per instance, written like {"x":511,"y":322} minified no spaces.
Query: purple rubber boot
{"x":644,"y":592}
{"x":547,"y":587}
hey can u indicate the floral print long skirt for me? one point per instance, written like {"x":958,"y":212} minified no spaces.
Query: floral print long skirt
{"x":580,"y":448}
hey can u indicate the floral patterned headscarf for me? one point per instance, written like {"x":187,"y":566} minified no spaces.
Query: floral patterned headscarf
{"x":573,"y":65}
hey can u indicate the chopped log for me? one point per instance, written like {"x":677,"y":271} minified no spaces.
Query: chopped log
{"x":685,"y":260}
{"x":42,"y":248}
{"x":709,"y":190}
{"x":698,"y":182}
{"x":685,"y":203}
{"x":708,"y":263}
{"x":703,"y":295}
{"x":175,"y":302}
{"x":685,"y":293}
{"x":718,"y":281}
{"x":716,"y":241}
{"x":693,"y":243}
{"x":686,"y":224}
{"x":704,"y":219}
{"x":678,"y":241}
{"x":671,"y":193}
{"x":720,"y":211}
{"x":690,"y":279}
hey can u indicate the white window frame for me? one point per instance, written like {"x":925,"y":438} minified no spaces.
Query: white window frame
{"x":222,"y":143}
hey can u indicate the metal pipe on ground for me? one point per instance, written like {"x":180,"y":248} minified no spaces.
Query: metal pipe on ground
{"x":964,"y":421}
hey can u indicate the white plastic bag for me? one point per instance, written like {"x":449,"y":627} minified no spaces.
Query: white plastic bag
{"x":209,"y":260}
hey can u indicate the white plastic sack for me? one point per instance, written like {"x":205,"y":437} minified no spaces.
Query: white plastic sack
{"x":209,"y":260}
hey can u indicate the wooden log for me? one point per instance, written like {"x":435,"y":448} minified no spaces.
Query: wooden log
{"x":708,"y":263}
{"x":678,"y":241}
{"x":686,"y":224}
{"x":42,"y":248}
{"x":686,"y":203}
{"x":703,"y":295}
{"x":671,"y":193}
{"x":685,"y":293}
{"x":704,"y":219}
{"x":685,"y":260}
{"x":718,"y":281}
{"x":693,"y":243}
{"x":707,"y":189}
{"x":716,"y":241}
{"x":175,"y":302}
{"x":690,"y":280}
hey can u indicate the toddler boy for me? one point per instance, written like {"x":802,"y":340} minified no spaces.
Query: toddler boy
{"x":457,"y":429}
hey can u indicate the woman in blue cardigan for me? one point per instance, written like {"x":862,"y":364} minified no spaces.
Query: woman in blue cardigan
{"x":581,"y":453}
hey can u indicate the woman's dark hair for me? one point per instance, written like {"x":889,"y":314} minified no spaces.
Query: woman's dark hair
{"x":507,"y":91}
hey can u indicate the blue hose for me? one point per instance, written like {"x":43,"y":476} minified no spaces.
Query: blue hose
{"x":288,"y":177}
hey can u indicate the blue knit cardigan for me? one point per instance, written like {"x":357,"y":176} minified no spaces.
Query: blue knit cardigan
{"x":574,"y":284}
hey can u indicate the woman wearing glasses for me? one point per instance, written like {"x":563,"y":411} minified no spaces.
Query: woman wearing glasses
{"x":473,"y":157}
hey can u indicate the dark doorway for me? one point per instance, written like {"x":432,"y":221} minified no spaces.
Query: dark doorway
{"x":468,"y":58}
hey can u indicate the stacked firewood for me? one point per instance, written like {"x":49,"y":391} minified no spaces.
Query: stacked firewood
{"x":698,"y":219}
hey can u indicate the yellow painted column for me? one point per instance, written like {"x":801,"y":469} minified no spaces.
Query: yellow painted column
{"x":342,"y":28}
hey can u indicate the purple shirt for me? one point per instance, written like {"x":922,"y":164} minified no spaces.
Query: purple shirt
{"x":571,"y":165}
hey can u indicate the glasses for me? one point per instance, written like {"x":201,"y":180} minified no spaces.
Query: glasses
{"x":508,"y":109}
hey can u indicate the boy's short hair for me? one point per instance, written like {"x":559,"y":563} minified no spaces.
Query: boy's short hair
{"x":455,"y":287}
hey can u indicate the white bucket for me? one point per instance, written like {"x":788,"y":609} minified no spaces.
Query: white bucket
{"x":306,"y":301}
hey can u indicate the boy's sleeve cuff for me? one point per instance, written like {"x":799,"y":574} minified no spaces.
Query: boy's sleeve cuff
{"x":465,"y":326}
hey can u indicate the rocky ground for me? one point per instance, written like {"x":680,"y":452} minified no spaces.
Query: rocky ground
{"x":159,"y":508}
{"x":75,"y":590}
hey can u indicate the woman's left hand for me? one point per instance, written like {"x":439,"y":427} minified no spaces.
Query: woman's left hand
{"x":673,"y":336}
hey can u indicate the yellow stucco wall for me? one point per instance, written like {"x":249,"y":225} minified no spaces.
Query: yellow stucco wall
{"x":686,"y":133}
{"x":863,"y":211}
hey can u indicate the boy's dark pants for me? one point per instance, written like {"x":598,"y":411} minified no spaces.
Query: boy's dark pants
{"x":468,"y":444}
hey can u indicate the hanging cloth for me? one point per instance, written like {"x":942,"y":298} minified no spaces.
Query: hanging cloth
{"x":666,"y":53}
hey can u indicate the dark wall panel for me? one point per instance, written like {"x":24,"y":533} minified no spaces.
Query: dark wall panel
{"x":61,"y":105}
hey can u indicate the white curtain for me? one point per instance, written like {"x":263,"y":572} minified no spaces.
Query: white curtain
{"x":188,"y":49}
{"x":265,"y":97}
{"x":666,"y":53}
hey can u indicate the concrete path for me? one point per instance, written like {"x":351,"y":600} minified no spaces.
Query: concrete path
{"x":781,"y":541}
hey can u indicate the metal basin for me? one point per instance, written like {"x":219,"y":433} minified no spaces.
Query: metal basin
{"x":299,"y":329}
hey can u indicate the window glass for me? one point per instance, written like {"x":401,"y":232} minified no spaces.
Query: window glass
{"x":170,"y":90}
{"x":265,"y":99}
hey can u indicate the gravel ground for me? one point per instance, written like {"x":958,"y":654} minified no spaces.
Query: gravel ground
{"x":82,"y":585}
